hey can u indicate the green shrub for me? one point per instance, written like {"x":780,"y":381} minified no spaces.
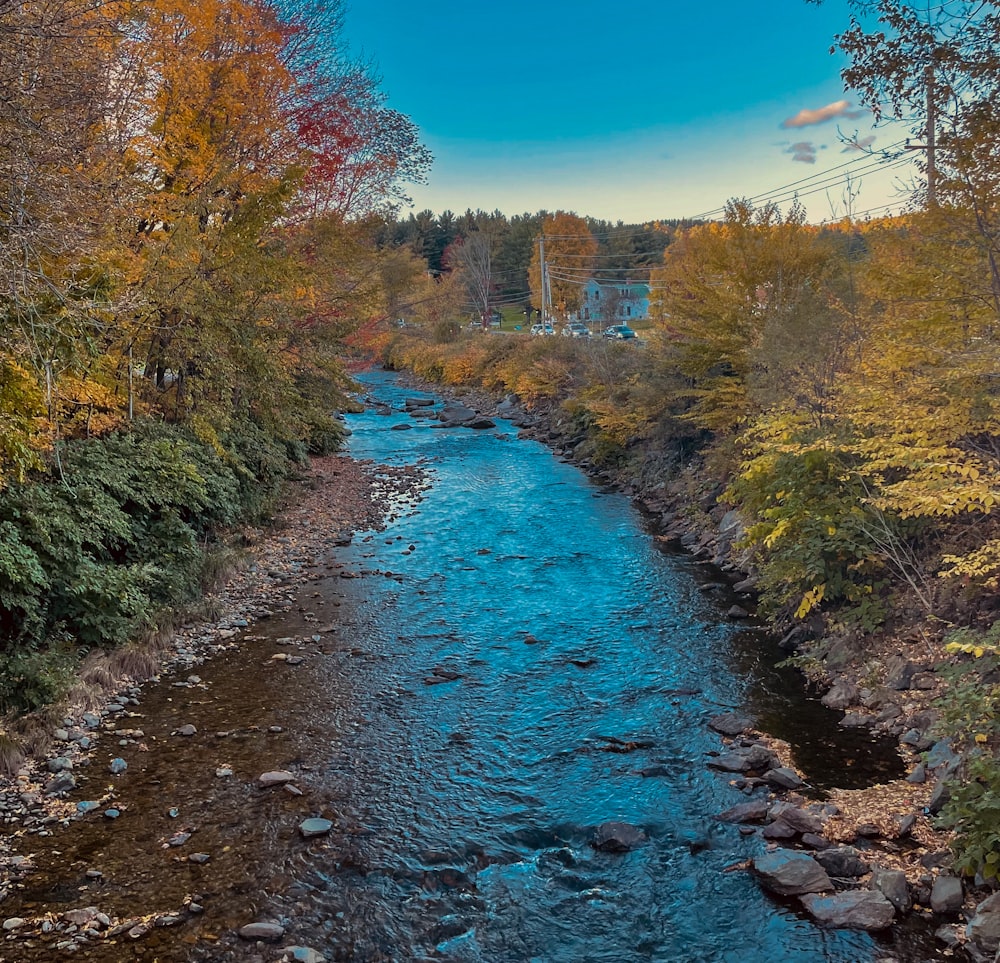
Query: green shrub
{"x":90,"y":550}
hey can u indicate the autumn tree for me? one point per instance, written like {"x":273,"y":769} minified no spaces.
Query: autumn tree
{"x":569,"y":253}
{"x":55,"y":189}
{"x":939,"y":69}
{"x":751,"y":321}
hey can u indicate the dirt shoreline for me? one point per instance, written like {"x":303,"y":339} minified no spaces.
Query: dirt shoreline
{"x":334,"y":498}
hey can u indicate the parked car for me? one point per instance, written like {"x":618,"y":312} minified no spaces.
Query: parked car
{"x":576,"y":329}
{"x":621,"y":332}
{"x":542,"y":329}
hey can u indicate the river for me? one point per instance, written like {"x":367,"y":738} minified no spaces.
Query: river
{"x":517,"y":651}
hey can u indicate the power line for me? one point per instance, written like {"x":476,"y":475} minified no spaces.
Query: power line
{"x":826,"y":176}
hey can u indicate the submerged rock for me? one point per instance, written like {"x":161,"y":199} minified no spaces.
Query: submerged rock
{"x":615,"y":837}
{"x":315,"y":827}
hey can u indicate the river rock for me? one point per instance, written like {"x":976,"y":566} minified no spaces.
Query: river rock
{"x":891,"y":883}
{"x":747,"y":812}
{"x":302,"y":954}
{"x":454,"y":415}
{"x":843,"y":694}
{"x":801,"y":820}
{"x":779,"y":829}
{"x":13,"y":923}
{"x":947,"y":895}
{"x":59,"y":764}
{"x":842,"y":862}
{"x":899,"y":674}
{"x":857,"y":909}
{"x":790,"y":873}
{"x":983,"y":930}
{"x":730,"y":762}
{"x":783,"y":778}
{"x":275,"y":777}
{"x":118,"y":766}
{"x":262,"y":931}
{"x":315,"y":827}
{"x":615,"y":837}
{"x":187,"y":730}
{"x":729,"y":724}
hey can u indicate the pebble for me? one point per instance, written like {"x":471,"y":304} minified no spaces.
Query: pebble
{"x":187,"y":730}
{"x":199,"y":858}
{"x":275,"y":777}
{"x":112,"y":813}
{"x":118,"y":765}
{"x":223,"y":773}
{"x":15,"y":922}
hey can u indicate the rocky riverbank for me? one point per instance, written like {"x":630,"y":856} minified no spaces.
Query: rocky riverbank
{"x":334,"y":499}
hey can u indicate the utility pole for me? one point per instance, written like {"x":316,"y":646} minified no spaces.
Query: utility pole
{"x":929,"y":137}
{"x":545,"y":279}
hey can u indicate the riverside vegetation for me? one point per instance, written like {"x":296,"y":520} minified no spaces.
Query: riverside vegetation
{"x":204,"y":216}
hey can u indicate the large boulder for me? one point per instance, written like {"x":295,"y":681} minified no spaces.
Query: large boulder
{"x":856,"y":909}
{"x":790,"y":873}
{"x":843,"y":693}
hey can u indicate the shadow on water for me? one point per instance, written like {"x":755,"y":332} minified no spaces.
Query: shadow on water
{"x":515,"y":664}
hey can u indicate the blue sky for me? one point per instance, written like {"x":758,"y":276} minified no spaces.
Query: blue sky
{"x":634,"y":111}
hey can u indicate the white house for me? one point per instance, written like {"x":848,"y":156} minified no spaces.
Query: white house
{"x":613,"y":302}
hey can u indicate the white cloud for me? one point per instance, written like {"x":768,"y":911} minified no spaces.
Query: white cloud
{"x":804,"y":118}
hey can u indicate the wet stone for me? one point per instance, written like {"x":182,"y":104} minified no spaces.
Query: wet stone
{"x":616,"y":837}
{"x":315,"y":827}
{"x":262,"y":931}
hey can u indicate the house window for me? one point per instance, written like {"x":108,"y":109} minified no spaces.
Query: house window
{"x":628,"y":310}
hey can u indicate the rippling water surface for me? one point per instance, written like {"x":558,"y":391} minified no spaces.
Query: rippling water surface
{"x":465,"y":728}
{"x":572,"y":634}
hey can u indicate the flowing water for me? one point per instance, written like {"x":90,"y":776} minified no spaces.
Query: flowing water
{"x":518,"y":663}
